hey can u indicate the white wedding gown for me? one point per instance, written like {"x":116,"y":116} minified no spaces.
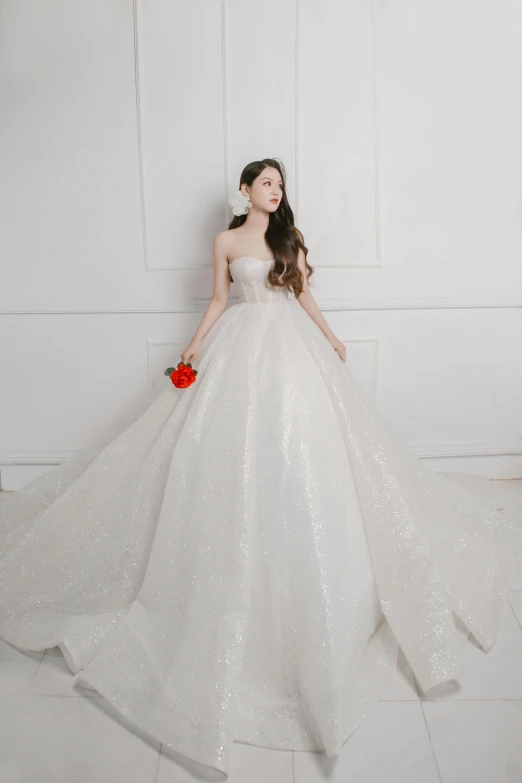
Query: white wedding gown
{"x":243,"y":558}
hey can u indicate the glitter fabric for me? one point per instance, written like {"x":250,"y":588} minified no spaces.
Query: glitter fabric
{"x":242,"y":559}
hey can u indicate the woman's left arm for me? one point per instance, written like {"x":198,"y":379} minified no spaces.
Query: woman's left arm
{"x":308,"y":303}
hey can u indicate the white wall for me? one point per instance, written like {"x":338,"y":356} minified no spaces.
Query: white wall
{"x":124,"y":129}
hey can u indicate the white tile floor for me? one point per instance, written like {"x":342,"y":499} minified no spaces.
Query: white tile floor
{"x":52,"y":733}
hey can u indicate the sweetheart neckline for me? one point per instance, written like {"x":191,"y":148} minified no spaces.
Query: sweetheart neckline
{"x":263,"y":261}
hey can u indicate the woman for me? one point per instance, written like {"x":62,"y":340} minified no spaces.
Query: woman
{"x":242,"y":558}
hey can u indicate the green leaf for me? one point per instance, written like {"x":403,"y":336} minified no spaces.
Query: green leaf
{"x":169,"y":370}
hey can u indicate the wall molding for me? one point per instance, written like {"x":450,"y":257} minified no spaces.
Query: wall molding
{"x":422,"y":450}
{"x":138,"y":70}
{"x":376,"y":146}
{"x":138,"y":81}
{"x":379,"y":243}
{"x":199,"y":305}
{"x":139,"y":126}
{"x":149,"y":346}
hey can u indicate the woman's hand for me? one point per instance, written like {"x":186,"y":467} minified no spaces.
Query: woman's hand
{"x":191,"y":352}
{"x":339,"y":347}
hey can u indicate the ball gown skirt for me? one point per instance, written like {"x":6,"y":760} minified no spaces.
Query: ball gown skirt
{"x":241,"y":560}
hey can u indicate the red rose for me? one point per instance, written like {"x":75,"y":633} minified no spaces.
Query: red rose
{"x":182,"y":376}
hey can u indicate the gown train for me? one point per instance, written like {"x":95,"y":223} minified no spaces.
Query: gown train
{"x":241,"y":560}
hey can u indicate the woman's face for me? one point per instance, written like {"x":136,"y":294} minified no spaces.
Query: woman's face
{"x":266,"y":191}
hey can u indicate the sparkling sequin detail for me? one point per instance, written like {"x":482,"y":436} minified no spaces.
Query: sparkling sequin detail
{"x":241,"y":559}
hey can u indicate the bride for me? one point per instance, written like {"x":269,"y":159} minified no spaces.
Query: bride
{"x":241,"y":556}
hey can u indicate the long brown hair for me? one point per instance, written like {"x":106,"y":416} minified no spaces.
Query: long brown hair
{"x":281,"y":236}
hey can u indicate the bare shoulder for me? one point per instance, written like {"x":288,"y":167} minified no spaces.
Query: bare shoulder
{"x":223,"y":240}
{"x":224,"y":243}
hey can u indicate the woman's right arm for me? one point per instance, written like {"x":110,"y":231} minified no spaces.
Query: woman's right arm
{"x":219,"y":299}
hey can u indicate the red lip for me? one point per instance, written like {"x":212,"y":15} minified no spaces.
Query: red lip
{"x":273,"y":200}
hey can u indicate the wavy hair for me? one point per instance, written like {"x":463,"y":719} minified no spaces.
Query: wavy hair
{"x":281,"y":236}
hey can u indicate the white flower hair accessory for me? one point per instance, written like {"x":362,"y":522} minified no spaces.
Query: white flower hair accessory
{"x":240,"y":203}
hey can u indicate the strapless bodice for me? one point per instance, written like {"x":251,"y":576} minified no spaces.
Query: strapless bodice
{"x":250,"y":276}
